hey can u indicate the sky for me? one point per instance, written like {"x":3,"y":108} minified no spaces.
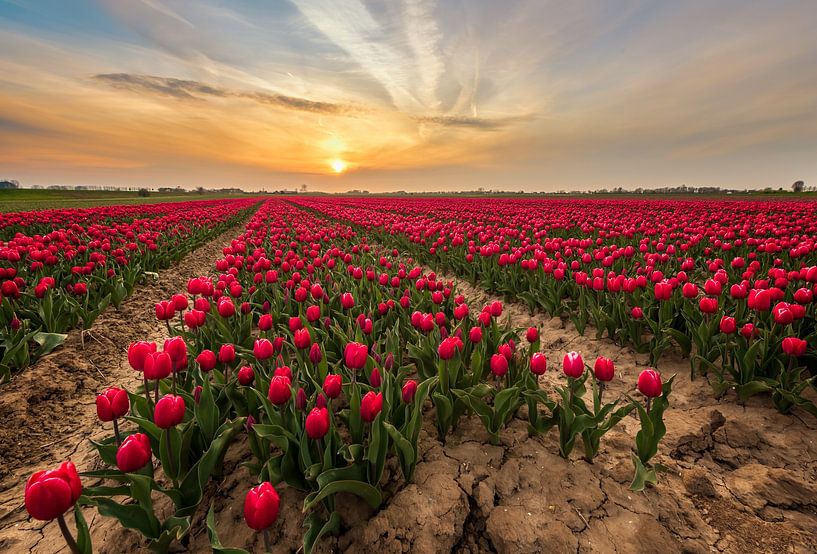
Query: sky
{"x":409,"y":95}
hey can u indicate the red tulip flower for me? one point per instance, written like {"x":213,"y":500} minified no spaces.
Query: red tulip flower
{"x":134,"y":453}
{"x":538,"y":363}
{"x":475,"y":335}
{"x":49,"y":494}
{"x":302,"y":339}
{"x":246,"y":376}
{"x":355,"y":355}
{"x":573,"y":365}
{"x":262,"y":349}
{"x":317,"y":423}
{"x":158,"y":365}
{"x":112,"y":404}
{"x":332,"y":385}
{"x":206,"y":360}
{"x":499,"y":365}
{"x":532,"y":334}
{"x":728,"y":325}
{"x":794,"y":347}
{"x":169,"y":411}
{"x":138,"y":351}
{"x":649,"y":383}
{"x":261,"y":507}
{"x":409,"y":389}
{"x":279,"y":390}
{"x":604,"y":369}
{"x":370,"y":405}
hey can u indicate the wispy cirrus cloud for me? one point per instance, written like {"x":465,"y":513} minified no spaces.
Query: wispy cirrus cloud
{"x":194,"y":90}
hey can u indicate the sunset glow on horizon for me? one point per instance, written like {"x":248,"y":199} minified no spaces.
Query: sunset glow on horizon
{"x":408,"y":95}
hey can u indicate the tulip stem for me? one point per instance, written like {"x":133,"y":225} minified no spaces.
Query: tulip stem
{"x":267,"y":545}
{"x":156,"y":392}
{"x":116,"y":433}
{"x":170,"y":455}
{"x":147,"y":389}
{"x":72,"y":544}
{"x":649,"y":402}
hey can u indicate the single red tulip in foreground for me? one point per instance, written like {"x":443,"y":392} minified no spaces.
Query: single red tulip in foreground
{"x":261,"y":509}
{"x":49,"y":494}
{"x":573,"y":365}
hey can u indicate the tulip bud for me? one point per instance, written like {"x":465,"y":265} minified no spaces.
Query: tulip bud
{"x":728,"y":325}
{"x":197,"y":394}
{"x":320,"y":402}
{"x":355,"y":355}
{"x":409,"y":389}
{"x":300,"y":399}
{"x":375,"y":379}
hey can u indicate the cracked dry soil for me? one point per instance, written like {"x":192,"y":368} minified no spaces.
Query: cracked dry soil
{"x":739,"y":479}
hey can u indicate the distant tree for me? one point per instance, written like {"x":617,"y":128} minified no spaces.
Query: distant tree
{"x":9,"y":184}
{"x":200,"y":190}
{"x":143,"y":192}
{"x":797,"y":186}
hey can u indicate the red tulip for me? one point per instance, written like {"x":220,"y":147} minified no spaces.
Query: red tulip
{"x":180,"y":302}
{"x":374,"y":378}
{"x":728,"y":325}
{"x":279,"y":390}
{"x":206,"y":360}
{"x":225,"y":307}
{"x":112,"y":404}
{"x":649,"y":383}
{"x":448,"y":348}
{"x":332,"y":385}
{"x":355,"y":355}
{"x":499,"y":365}
{"x":794,"y":347}
{"x":689,"y":290}
{"x":226,"y":354}
{"x":261,"y":507}
{"x":138,"y":351}
{"x":475,"y":335}
{"x":347,"y":301}
{"x":573,"y":365}
{"x":134,"y":453}
{"x":409,"y":389}
{"x":177,"y":349}
{"x":246,"y":376}
{"x":300,"y":399}
{"x":538,"y":363}
{"x":317,"y":423}
{"x":49,"y":494}
{"x":158,"y":366}
{"x":604,"y":369}
{"x":370,"y":405}
{"x":532,"y":334}
{"x":265,"y":322}
{"x":708,"y":305}
{"x":302,"y":339}
{"x":782,"y":314}
{"x":262,"y":349}
{"x":169,"y":411}
{"x":662,"y":291}
{"x":637,"y":313}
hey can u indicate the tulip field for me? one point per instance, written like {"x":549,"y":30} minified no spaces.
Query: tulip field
{"x":417,"y":374}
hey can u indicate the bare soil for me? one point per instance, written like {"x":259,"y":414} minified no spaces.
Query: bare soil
{"x":739,"y":478}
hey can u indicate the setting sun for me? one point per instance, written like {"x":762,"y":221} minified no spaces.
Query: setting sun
{"x":338,"y":166}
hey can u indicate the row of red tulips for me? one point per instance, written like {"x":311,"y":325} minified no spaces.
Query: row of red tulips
{"x":59,"y":269}
{"x":327,"y":356}
{"x":732,"y":284}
